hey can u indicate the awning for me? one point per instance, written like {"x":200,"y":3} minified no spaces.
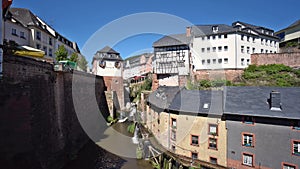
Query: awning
{"x":28,"y":51}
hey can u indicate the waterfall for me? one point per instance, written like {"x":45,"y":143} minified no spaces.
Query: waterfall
{"x":135,"y":138}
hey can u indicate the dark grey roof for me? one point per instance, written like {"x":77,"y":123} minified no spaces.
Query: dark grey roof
{"x":24,"y":16}
{"x":135,"y":60}
{"x":108,"y":49}
{"x":294,"y":24}
{"x":202,"y":30}
{"x":163,"y":96}
{"x":253,"y":101}
{"x":172,"y":40}
{"x":208,"y":102}
{"x":107,"y":53}
{"x":255,"y":27}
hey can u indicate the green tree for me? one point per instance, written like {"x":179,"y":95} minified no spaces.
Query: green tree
{"x":74,"y":57}
{"x":61,"y":53}
{"x":82,"y":63}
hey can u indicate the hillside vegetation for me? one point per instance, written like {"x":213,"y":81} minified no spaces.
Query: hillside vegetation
{"x":264,"y":75}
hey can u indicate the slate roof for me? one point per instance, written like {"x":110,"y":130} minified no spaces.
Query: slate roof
{"x":163,"y":96}
{"x":294,"y":24}
{"x":109,"y":54}
{"x":172,"y":40}
{"x":135,"y":60}
{"x":252,"y":26}
{"x":202,"y":30}
{"x":253,"y":101}
{"x":194,"y":101}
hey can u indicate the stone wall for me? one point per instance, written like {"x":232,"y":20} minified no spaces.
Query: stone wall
{"x":38,"y":123}
{"x":289,"y":59}
{"x":227,"y":74}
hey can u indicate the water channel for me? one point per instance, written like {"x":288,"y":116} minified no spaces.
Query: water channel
{"x":94,"y":157}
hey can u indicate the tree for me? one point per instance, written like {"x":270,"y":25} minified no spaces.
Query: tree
{"x":61,"y":53}
{"x":82,"y":63}
{"x":74,"y":57}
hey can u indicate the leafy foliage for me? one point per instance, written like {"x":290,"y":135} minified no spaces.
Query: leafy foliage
{"x":74,"y":57}
{"x":82,"y":63}
{"x":61,"y":53}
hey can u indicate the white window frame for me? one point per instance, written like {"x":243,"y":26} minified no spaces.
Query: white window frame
{"x":248,"y":160}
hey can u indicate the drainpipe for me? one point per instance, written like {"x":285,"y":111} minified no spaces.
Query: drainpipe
{"x":236,"y":49}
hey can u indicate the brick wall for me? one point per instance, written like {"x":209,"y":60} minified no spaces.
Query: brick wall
{"x":38,"y":123}
{"x":228,"y":74}
{"x":289,"y":59}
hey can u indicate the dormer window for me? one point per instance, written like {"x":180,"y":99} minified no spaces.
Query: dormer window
{"x":275,"y":101}
{"x":215,"y":29}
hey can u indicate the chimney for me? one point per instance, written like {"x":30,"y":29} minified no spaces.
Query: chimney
{"x":188,"y":31}
{"x":275,"y":101}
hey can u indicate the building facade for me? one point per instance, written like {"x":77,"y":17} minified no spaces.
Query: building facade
{"x":262,"y":127}
{"x":137,"y":66}
{"x":290,"y":38}
{"x":185,"y":124}
{"x":27,"y":29}
{"x":171,"y":59}
{"x":229,"y":47}
{"x":109,"y":64}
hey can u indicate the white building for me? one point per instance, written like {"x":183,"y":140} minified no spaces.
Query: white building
{"x":139,"y":65}
{"x":25,"y":28}
{"x":229,"y":47}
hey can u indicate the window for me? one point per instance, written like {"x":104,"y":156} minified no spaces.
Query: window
{"x":225,"y":48}
{"x":242,"y":37}
{"x":219,"y":60}
{"x":173,"y":148}
{"x":225,"y":60}
{"x":242,"y":49}
{"x":38,"y":46}
{"x":195,"y":140}
{"x":253,"y":50}
{"x":194,"y":155}
{"x":212,"y":143}
{"x":214,"y":61}
{"x":225,"y":36}
{"x":208,"y":50}
{"x":271,"y":43}
{"x":14,"y":31}
{"x":262,"y":41}
{"x":203,"y":62}
{"x":248,"y":49}
{"x":208,"y":61}
{"x":248,"y":38}
{"x":248,"y":140}
{"x":173,"y":135}
{"x":248,"y":159}
{"x":50,"y":41}
{"x":262,"y":51}
{"x":208,"y":37}
{"x":242,"y":61}
{"x":174,"y":123}
{"x":220,"y":48}
{"x":253,"y":39}
{"x":214,"y":49}
{"x":213,"y":129}
{"x":213,"y":160}
{"x":45,"y":49}
{"x":248,"y":120}
{"x":296,"y":148}
{"x":214,"y":37}
{"x":203,"y":38}
{"x":288,"y":166}
{"x":50,"y":52}
{"x":267,"y":51}
{"x":38,"y":35}
{"x":22,"y":35}
{"x":220,"y":36}
{"x":203,"y":50}
{"x":267,"y":42}
{"x":248,"y":61}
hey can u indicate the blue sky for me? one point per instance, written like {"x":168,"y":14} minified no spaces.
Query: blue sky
{"x":79,"y":20}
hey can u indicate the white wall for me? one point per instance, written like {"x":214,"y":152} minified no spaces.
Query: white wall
{"x":43,"y":42}
{"x":109,"y":70}
{"x":234,"y":54}
{"x":8,"y":26}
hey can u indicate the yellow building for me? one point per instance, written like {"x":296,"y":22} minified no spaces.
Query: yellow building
{"x":188,"y":123}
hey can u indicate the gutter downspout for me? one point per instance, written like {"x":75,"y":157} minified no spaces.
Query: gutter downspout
{"x":236,"y":49}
